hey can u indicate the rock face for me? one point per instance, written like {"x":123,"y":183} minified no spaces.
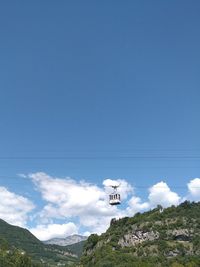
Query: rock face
{"x":137,"y":237}
{"x":69,"y":240}
{"x":160,"y":237}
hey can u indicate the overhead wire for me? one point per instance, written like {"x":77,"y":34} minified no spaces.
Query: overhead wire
{"x":134,"y":186}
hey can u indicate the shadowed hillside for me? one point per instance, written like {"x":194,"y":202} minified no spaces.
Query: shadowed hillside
{"x":21,"y":239}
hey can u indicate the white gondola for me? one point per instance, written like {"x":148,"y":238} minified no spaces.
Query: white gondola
{"x":114,"y":198}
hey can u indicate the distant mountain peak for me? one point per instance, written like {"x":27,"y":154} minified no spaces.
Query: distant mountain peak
{"x":68,"y":240}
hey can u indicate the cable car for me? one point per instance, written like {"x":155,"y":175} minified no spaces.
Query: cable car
{"x":114,"y":198}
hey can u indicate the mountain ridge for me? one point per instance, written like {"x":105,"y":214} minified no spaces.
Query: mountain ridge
{"x":157,"y":238}
{"x":21,"y":238}
{"x":68,"y":240}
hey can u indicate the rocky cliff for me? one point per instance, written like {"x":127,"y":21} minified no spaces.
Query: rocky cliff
{"x":160,"y":237}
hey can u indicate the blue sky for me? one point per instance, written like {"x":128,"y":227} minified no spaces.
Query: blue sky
{"x":99,"y":89}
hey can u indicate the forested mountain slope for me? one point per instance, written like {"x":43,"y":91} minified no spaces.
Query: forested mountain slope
{"x":169,"y":237}
{"x":20,"y":239}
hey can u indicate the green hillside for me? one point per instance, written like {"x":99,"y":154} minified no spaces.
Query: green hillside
{"x":12,"y":257}
{"x":169,"y":237}
{"x":77,"y":248}
{"x":21,"y":239}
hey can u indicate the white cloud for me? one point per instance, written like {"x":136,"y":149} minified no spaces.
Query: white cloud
{"x":49,"y":231}
{"x":136,"y":205}
{"x":67,"y":198}
{"x":87,"y":233}
{"x":194,"y":189}
{"x":160,"y":194}
{"x":73,"y":196}
{"x":98,"y":224}
{"x":14,"y":208}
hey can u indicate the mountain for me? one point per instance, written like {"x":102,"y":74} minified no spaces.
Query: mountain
{"x":158,"y":238}
{"x":21,"y":239}
{"x":69,"y":240}
{"x":77,"y":248}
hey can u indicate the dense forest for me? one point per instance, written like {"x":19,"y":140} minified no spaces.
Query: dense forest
{"x":13,"y":257}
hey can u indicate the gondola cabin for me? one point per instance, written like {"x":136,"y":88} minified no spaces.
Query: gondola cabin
{"x":114,"y":199}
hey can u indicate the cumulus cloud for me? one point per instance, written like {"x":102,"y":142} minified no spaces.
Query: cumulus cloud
{"x":135,"y":205}
{"x":194,"y":189}
{"x":67,"y":198}
{"x":67,"y":191}
{"x":14,"y":208}
{"x":160,"y":194}
{"x":97,"y":224}
{"x":49,"y":231}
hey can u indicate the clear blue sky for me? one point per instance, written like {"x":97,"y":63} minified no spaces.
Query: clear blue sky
{"x":100,"y":80}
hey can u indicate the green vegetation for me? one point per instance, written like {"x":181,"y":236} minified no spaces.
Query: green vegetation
{"x":157,"y":238}
{"x":12,"y":257}
{"x":162,"y":238}
{"x":76,"y":248}
{"x":21,"y":241}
